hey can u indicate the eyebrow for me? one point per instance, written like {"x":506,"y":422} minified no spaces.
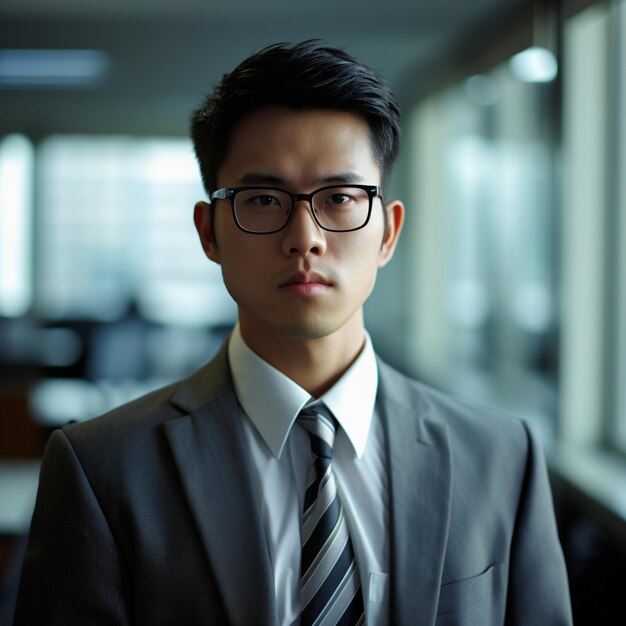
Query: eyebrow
{"x":262,"y":178}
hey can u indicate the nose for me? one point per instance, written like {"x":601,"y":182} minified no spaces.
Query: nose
{"x":302,"y":235}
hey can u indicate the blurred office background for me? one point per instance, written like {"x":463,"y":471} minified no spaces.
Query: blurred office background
{"x":509,"y":286}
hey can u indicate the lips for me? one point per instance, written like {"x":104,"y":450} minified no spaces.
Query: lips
{"x":306,"y":278}
{"x":306,"y":284}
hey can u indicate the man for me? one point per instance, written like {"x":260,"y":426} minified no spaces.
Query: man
{"x":296,"y":478}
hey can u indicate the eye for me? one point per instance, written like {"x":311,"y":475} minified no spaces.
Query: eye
{"x":261,"y":200}
{"x":339,"y":198}
{"x":266,"y":200}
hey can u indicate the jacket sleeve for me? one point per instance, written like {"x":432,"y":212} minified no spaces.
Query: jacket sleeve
{"x":538,"y":586}
{"x":73,"y":572}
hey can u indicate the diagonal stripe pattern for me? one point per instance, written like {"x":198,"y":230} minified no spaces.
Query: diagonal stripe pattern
{"x":331,"y":587}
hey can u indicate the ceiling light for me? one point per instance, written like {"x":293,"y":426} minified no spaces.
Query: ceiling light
{"x":51,"y":68}
{"x":534,"y":65}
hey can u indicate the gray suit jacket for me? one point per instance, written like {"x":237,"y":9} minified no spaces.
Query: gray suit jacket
{"x":149,"y":515}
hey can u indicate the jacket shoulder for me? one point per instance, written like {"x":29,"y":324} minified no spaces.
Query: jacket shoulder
{"x":144,"y":414}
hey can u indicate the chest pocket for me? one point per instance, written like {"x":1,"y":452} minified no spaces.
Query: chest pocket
{"x":475,"y":600}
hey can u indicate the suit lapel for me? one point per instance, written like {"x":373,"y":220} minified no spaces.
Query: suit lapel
{"x":211,"y":457}
{"x":420,"y":481}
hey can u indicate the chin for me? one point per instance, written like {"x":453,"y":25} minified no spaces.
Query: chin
{"x":306,"y":331}
{"x":309,"y":329}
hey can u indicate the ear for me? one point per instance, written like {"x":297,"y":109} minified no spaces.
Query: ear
{"x":202,"y":218}
{"x":395,"y":220}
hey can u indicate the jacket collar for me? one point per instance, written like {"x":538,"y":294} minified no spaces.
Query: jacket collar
{"x":212,"y":461}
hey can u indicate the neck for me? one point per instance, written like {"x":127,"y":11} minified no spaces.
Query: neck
{"x":313,"y":363}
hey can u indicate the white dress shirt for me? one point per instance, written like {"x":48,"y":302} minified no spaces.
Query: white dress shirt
{"x":281,"y":460}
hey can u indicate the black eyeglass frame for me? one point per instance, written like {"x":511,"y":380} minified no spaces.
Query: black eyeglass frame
{"x":373,"y":191}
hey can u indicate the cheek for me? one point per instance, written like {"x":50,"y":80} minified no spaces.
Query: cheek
{"x":367,"y":247}
{"x":244,"y":260}
{"x":362,"y":257}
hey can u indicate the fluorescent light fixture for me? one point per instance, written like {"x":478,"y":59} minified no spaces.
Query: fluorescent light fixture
{"x":534,"y":65}
{"x":52,"y":68}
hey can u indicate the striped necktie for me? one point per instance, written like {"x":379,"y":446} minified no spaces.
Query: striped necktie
{"x":331,"y":587}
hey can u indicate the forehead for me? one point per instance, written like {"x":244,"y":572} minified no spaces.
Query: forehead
{"x":299,"y":146}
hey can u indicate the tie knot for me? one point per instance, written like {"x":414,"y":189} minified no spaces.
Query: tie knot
{"x":321,"y":426}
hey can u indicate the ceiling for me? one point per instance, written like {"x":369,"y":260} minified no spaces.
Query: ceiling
{"x":166,"y":54}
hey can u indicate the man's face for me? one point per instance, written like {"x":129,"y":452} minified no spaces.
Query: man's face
{"x":302,"y":282}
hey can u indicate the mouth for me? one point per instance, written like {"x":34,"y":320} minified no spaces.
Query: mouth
{"x":306,"y":284}
{"x":306,"y":278}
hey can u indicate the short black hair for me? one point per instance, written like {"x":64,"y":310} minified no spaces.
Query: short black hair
{"x":303,"y":76}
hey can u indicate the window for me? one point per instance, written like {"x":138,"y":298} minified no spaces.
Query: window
{"x":485,"y":311}
{"x":16,"y":179}
{"x":115,"y":227}
{"x":519,"y":237}
{"x":594,"y":296}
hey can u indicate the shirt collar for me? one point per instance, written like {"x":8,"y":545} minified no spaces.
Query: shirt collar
{"x":273,"y":401}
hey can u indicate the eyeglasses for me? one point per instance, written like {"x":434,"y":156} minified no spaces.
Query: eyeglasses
{"x":266,"y":210}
